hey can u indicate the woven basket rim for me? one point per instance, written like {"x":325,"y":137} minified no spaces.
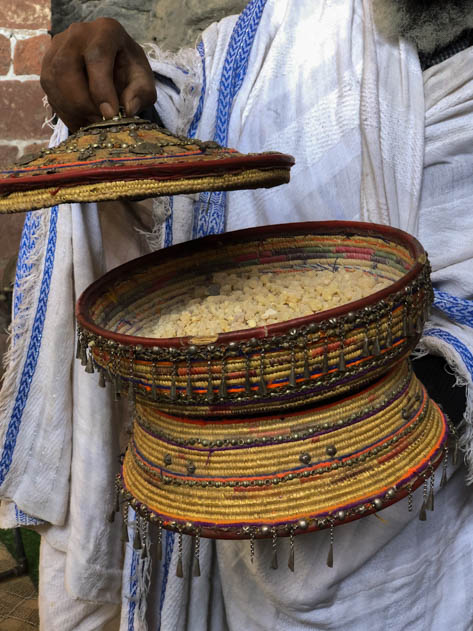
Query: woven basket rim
{"x":158,"y":170}
{"x":185,"y":249}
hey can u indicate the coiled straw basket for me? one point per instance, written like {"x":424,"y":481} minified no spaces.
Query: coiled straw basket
{"x":275,"y":430}
{"x":280,"y":366}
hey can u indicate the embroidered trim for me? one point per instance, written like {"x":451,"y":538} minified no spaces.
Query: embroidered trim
{"x":209,"y":214}
{"x":459,"y":309}
{"x":167,"y":564}
{"x":168,"y":235}
{"x":33,"y":349}
{"x":200,"y":107}
{"x":455,"y":343}
{"x":23,"y":267}
{"x":133,"y":588}
{"x":23,"y":519}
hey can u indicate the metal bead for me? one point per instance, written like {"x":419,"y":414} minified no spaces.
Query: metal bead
{"x":305,"y":458}
{"x":167,"y":459}
{"x":264,"y":530}
{"x":331,"y":450}
{"x":302,"y":523}
{"x":378,"y":503}
{"x":341,"y":515}
{"x":390,"y":494}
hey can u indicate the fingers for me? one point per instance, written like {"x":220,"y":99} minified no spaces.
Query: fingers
{"x":99,"y":61}
{"x":92,"y":68}
{"x":134,"y":80}
{"x":69,"y":97}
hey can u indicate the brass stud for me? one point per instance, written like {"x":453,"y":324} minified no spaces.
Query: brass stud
{"x":305,"y":458}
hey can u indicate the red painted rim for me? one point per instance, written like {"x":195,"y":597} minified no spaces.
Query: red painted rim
{"x":96,"y":289}
{"x":183,"y":169}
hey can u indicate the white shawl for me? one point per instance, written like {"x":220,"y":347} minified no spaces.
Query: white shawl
{"x":308,"y":78}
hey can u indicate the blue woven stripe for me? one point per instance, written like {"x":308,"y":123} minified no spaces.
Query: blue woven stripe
{"x":236,"y":65}
{"x":22,"y":519}
{"x":27,"y":245}
{"x":33,"y":350}
{"x":168,"y":237}
{"x":453,"y":341}
{"x":209,"y":214}
{"x":200,"y":107}
{"x":133,"y":590}
{"x":459,"y":309}
{"x":169,"y":547}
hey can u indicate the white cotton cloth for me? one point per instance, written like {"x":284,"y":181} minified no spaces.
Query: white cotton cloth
{"x":357,"y":113}
{"x":323,"y":85}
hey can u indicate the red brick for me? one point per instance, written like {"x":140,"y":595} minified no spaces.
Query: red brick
{"x":32,"y":14}
{"x":5,"y":54}
{"x":8,"y":154}
{"x":23,"y":114}
{"x":29,"y":54}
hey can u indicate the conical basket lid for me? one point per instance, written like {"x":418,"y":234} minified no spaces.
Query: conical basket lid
{"x":131,"y":158}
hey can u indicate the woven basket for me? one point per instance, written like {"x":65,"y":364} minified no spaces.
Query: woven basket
{"x":130,"y":158}
{"x":282,"y":475}
{"x":278,"y":367}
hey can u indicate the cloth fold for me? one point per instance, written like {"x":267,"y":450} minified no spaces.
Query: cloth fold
{"x":374,"y":139}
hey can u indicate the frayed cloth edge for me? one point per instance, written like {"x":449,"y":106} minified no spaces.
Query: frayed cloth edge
{"x":435,"y":346}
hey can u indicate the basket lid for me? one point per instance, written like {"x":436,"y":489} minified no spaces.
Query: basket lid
{"x":131,"y":158}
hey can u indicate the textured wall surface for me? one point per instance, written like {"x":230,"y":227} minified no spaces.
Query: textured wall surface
{"x":24,"y":38}
{"x":172,"y":23}
{"x":177,"y":23}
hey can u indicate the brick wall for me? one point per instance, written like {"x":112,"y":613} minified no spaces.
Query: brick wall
{"x":24,"y":37}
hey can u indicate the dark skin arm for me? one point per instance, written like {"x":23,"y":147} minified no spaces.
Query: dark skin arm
{"x":91,"y":69}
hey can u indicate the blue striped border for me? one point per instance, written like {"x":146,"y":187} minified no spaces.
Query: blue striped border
{"x":168,"y":236}
{"x":200,"y":106}
{"x":33,"y":348}
{"x":169,"y":547}
{"x":27,"y":245}
{"x":453,"y":341}
{"x":133,"y":589}
{"x":209,"y":214}
{"x":459,"y":309}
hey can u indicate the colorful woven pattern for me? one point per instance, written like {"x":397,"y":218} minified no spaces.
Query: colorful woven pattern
{"x":278,"y":367}
{"x":129,"y":158}
{"x":283,"y":474}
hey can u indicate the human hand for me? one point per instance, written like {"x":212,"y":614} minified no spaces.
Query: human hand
{"x":91,"y":69}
